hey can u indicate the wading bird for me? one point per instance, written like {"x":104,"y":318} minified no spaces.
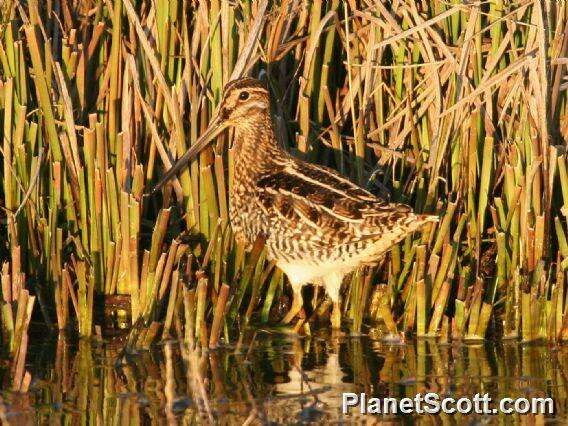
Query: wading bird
{"x":318,"y":226}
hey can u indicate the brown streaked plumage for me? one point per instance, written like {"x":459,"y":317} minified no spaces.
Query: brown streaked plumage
{"x":318,"y":226}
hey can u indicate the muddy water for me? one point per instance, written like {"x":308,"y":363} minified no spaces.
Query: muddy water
{"x":268,"y":377}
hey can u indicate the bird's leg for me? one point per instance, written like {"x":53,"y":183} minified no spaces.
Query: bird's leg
{"x":297,"y":304}
{"x":336,"y":316}
{"x":332,"y":283}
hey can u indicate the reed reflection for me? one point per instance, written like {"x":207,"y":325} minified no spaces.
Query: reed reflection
{"x":270,"y":377}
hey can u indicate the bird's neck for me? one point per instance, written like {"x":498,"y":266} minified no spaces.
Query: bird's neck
{"x":255,"y":145}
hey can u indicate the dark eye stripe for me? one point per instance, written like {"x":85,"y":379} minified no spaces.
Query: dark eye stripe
{"x":226,"y":112}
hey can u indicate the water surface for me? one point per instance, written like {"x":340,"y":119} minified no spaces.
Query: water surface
{"x":269,"y":377}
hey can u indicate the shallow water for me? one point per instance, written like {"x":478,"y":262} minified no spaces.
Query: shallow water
{"x":269,"y":377}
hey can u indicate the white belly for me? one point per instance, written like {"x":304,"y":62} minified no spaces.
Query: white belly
{"x":307,"y":273}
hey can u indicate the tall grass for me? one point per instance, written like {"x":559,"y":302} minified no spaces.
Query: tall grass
{"x":455,"y":109}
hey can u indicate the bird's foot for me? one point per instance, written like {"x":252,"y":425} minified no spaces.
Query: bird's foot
{"x":293,"y":329}
{"x":337,"y":334}
{"x":289,"y":330}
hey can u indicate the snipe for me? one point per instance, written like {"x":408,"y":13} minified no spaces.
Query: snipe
{"x":318,"y":226}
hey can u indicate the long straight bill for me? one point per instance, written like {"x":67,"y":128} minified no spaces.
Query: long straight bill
{"x":215,"y":128}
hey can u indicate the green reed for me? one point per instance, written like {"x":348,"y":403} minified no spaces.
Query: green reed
{"x":450,"y":107}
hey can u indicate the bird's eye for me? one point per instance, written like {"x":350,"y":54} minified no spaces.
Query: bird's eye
{"x":244,"y":96}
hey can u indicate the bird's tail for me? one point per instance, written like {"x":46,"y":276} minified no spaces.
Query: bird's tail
{"x":415,"y":222}
{"x":423,"y":219}
{"x":404,"y":227}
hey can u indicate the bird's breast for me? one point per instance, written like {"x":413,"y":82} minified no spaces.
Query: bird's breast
{"x":245,"y":216}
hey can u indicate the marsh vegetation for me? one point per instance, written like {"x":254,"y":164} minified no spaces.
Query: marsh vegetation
{"x":457,"y":109}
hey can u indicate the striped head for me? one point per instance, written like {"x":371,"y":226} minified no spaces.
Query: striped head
{"x":243,"y":99}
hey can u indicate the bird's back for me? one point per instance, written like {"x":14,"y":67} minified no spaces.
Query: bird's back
{"x":309,"y":213}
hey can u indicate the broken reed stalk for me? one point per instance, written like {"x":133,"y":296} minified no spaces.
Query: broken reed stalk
{"x":16,"y":310}
{"x":218,"y":316}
